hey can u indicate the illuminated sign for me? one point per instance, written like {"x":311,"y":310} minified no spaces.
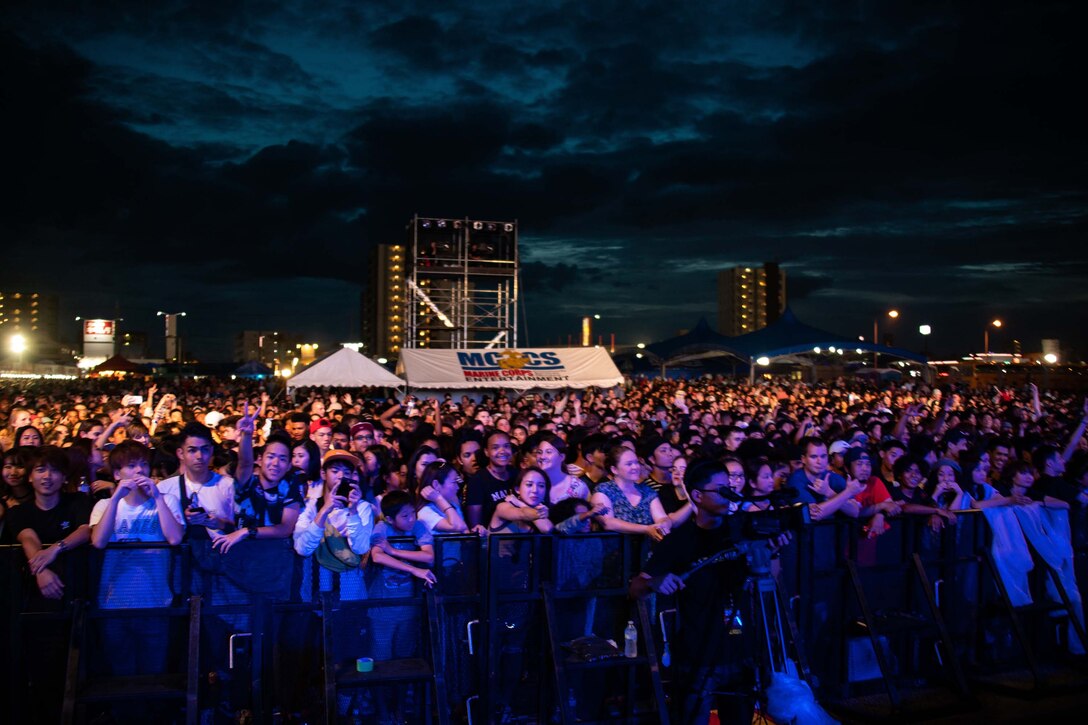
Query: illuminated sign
{"x":98,"y":330}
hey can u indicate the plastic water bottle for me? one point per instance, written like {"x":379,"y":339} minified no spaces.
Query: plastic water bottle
{"x":84,"y":487}
{"x":630,"y":640}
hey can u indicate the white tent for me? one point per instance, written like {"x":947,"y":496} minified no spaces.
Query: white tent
{"x":344,"y":368}
{"x":520,"y":369}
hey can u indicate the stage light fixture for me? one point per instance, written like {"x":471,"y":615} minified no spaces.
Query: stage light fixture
{"x":508,"y":227}
{"x":477,"y":225}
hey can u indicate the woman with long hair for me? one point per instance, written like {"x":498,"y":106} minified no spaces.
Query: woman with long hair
{"x":525,"y":511}
{"x":550,"y":452}
{"x":306,"y":461}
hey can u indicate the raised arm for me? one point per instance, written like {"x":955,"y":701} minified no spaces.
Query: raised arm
{"x":1078,"y":432}
{"x":245,"y":429}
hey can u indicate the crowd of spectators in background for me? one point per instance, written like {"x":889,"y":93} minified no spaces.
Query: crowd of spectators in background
{"x":365,"y":483}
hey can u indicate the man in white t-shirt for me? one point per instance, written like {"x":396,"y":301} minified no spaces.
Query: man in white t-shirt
{"x":135,"y":578}
{"x":136,"y":512}
{"x":207,"y":499}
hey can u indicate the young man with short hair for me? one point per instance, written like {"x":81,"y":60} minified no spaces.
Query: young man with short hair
{"x":135,"y":578}
{"x":321,"y":434}
{"x":488,"y":487}
{"x":709,"y":660}
{"x":53,"y":523}
{"x":825,"y":492}
{"x":267,"y":503}
{"x":206,"y":496}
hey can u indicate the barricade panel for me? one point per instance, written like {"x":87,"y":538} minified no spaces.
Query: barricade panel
{"x":263,"y":590}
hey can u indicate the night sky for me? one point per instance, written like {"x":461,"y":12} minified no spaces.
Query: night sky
{"x":238,"y":160}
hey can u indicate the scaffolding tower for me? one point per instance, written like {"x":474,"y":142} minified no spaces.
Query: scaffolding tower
{"x":461,"y":283}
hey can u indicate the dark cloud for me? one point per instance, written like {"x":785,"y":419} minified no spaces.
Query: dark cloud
{"x":923,"y":155}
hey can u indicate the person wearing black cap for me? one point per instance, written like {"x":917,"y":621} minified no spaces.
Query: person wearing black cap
{"x":875,"y":501}
{"x":955,"y":443}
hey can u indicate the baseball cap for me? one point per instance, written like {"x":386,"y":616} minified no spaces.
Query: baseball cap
{"x":319,"y":424}
{"x":838,"y":447}
{"x":338,"y":454}
{"x":212,"y":418}
{"x":955,"y":436}
{"x":854,"y":454}
{"x":359,"y":427}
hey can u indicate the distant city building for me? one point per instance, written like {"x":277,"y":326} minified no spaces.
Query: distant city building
{"x":383,"y":302}
{"x":133,"y":345}
{"x":34,"y":316}
{"x":277,"y":350}
{"x":750,"y":298}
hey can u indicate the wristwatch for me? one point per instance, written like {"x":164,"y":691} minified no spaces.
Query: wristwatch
{"x":62,"y":545}
{"x":251,"y":532}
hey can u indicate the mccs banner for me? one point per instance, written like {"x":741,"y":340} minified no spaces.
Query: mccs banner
{"x":564,"y":367}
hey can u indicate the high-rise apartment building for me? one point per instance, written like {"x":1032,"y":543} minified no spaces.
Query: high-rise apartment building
{"x":383,"y":301}
{"x":750,"y":298}
{"x":32,"y":315}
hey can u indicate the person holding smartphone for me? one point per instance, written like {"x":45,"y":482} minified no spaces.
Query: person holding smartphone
{"x":341,"y":512}
{"x":206,"y":496}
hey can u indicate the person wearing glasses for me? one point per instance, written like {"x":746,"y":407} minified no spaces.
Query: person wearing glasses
{"x":709,"y":660}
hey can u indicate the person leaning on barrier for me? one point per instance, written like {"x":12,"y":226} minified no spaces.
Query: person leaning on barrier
{"x":53,"y":523}
{"x":206,"y":496}
{"x":709,"y":659}
{"x":826,"y":492}
{"x":267,"y":502}
{"x":340,"y":513}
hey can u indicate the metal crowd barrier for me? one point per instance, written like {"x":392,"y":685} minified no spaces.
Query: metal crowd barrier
{"x":261,"y":629}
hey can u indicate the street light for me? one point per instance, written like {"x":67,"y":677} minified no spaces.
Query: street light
{"x":986,"y":336}
{"x":764,"y":361}
{"x":1050,"y":358}
{"x":18,"y":346}
{"x":892,"y":314}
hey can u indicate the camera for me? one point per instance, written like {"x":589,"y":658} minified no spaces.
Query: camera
{"x":785,"y":514}
{"x":773,"y":522}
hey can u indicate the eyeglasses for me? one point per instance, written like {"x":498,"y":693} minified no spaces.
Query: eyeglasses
{"x":722,"y":491}
{"x":736,"y":476}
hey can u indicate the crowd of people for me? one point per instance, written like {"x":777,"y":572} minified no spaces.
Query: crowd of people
{"x":364,"y":484}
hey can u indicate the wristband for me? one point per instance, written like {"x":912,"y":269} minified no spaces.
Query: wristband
{"x":62,"y":545}
{"x":251,"y":532}
{"x":447,"y":509}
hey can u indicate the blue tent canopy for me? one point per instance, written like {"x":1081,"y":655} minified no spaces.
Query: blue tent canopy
{"x":254,"y":369}
{"x":786,"y":336}
{"x":700,"y":340}
{"x":789,"y":336}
